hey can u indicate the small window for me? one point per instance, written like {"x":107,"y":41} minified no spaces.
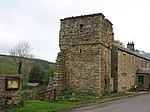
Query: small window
{"x":105,"y":81}
{"x":124,"y":74}
{"x":80,"y":51}
{"x":81,"y":26}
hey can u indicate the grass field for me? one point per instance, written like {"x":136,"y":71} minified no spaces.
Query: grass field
{"x":43,"y":106}
{"x":40,"y":106}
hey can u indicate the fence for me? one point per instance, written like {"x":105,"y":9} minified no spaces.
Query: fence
{"x":47,"y":95}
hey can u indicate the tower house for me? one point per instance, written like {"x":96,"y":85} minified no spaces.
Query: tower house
{"x":84,"y":61}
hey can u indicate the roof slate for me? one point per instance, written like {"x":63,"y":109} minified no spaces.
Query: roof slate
{"x":129,"y":51}
{"x":143,"y":70}
{"x":32,"y":84}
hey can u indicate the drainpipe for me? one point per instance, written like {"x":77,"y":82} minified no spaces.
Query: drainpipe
{"x":149,"y":83}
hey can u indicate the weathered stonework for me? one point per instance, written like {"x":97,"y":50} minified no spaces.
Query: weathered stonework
{"x":89,"y":61}
{"x":125,"y":64}
{"x":8,"y":97}
{"x":84,"y":63}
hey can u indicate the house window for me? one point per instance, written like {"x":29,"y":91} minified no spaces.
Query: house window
{"x":133,"y":65}
{"x":124,"y":74}
{"x":124,"y":61}
{"x":105,"y":68}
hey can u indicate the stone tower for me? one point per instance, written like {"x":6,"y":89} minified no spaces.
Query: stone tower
{"x":84,"y":62}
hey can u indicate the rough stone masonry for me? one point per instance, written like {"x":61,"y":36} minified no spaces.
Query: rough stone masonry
{"x":9,"y":97}
{"x":84,"y":62}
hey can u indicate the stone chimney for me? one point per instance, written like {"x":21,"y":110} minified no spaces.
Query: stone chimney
{"x":130,"y":46}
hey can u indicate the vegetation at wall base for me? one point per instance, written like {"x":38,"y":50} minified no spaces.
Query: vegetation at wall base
{"x":43,"y":106}
{"x":75,"y":96}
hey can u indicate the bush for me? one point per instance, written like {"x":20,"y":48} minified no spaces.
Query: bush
{"x":36,"y":74}
{"x":75,"y":96}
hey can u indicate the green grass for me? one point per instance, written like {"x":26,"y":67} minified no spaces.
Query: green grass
{"x":43,"y":106}
{"x":40,"y":106}
{"x":7,"y":68}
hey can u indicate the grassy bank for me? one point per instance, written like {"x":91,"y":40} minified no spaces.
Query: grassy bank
{"x":43,"y":106}
{"x":40,"y":106}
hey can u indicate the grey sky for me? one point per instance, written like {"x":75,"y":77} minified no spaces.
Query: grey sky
{"x":38,"y":21}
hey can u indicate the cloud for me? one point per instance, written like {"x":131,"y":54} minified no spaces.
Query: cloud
{"x":38,"y":21}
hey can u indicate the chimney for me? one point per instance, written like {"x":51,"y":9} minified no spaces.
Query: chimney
{"x":130,"y":46}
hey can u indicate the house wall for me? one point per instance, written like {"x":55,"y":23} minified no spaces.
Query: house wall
{"x":114,"y":68}
{"x":88,"y":62}
{"x":127,"y":65}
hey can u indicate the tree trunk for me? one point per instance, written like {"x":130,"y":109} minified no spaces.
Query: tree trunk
{"x":19,"y":67}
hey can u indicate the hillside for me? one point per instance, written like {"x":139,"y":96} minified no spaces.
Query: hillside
{"x":7,"y":65}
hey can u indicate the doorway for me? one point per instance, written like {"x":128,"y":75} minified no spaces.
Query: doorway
{"x":141,"y":82}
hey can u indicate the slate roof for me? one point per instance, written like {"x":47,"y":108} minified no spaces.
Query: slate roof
{"x":146,"y":55}
{"x":129,"y":51}
{"x":143,"y":70}
{"x":32,"y":84}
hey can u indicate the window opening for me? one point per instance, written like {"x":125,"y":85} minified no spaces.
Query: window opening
{"x":81,"y":26}
{"x":105,"y":81}
{"x":80,"y":51}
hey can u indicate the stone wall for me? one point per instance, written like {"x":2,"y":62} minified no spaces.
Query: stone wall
{"x":124,"y":67}
{"x":87,"y":29}
{"x":84,"y":63}
{"x":8,"y":97}
{"x":89,"y":61}
{"x":114,"y":68}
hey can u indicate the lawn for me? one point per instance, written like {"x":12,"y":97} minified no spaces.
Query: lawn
{"x":40,"y":106}
{"x":43,"y":106}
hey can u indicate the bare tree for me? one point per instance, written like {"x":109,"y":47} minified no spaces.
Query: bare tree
{"x":21,"y":51}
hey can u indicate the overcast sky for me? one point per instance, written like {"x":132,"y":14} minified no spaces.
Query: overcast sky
{"x":38,"y":21}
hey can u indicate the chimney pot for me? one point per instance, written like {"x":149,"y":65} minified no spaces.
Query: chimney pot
{"x":130,"y":46}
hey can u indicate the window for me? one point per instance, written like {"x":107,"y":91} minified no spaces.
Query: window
{"x":133,"y":65}
{"x":81,"y":26}
{"x":105,"y":82}
{"x":80,"y":51}
{"x":124,"y":60}
{"x":124,"y":74}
